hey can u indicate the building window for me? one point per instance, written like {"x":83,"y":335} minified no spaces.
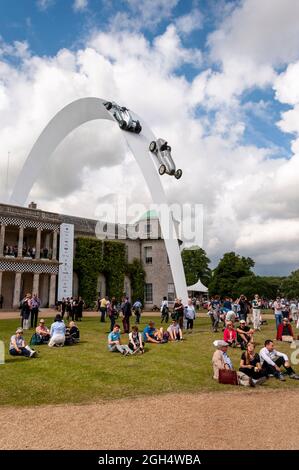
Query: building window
{"x":148,"y":255}
{"x":168,"y":263}
{"x":171,"y":295}
{"x":148,"y":292}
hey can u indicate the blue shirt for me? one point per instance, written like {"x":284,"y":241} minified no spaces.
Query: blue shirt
{"x":227,"y":360}
{"x":149,"y":330}
{"x":57,"y":328}
{"x":113,"y":336}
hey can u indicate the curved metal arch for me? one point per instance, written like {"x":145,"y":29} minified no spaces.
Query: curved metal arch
{"x":65,"y":121}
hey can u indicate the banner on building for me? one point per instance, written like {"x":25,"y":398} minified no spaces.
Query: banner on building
{"x":66,"y":254}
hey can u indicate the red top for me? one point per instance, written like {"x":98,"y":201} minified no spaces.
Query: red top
{"x":229,"y":335}
{"x":280,"y":331}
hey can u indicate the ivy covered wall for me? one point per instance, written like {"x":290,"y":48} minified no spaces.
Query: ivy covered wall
{"x":94,"y":256}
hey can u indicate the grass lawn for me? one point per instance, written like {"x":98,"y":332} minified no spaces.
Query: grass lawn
{"x":87,"y":371}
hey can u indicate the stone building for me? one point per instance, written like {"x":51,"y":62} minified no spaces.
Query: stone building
{"x":29,"y":258}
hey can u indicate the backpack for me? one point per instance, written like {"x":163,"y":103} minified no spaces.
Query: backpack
{"x":35,"y":340}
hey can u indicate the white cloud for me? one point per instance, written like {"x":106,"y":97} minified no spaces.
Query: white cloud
{"x":44,"y":4}
{"x":143,"y":14}
{"x":190,"y":22}
{"x":243,"y":190}
{"x":80,"y":5}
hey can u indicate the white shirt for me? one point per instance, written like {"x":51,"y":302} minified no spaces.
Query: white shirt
{"x":268,"y":356}
{"x":277,"y":307}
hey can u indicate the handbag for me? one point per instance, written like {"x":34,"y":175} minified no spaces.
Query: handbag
{"x":227,"y":376}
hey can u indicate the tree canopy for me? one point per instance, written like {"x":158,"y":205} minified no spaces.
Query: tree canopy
{"x":196,"y":265}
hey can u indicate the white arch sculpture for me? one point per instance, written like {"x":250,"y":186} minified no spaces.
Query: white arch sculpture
{"x":65,"y":121}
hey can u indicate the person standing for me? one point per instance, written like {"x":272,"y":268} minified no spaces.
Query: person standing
{"x":137,"y":310}
{"x":277,"y":311}
{"x":164,"y":310}
{"x":127,"y":312}
{"x":80,"y":308}
{"x":63,"y":307}
{"x":103,"y":308}
{"x":35,"y":304}
{"x":244,"y":307}
{"x":190,"y":314}
{"x":256,"y":312}
{"x":178,"y":310}
{"x":25,"y":311}
{"x":214,"y":312}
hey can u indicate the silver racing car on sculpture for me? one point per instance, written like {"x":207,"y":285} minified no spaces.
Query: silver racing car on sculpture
{"x":123,"y":116}
{"x":163,"y":153}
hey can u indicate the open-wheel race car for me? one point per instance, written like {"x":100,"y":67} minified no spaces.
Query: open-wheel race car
{"x":124,"y":118}
{"x":163,"y":153}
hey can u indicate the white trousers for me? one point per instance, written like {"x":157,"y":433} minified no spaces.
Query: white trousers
{"x":256,"y":318}
{"x":56,"y":340}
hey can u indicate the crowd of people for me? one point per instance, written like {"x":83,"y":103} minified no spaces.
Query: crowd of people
{"x":239,"y":320}
{"x":57,"y":335}
{"x":27,"y":251}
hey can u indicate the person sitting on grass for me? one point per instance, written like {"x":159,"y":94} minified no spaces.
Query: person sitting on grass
{"x":72,"y":334}
{"x":43,"y":332}
{"x":175,"y":332}
{"x":151,"y":334}
{"x":18,"y":345}
{"x":250,"y":364}
{"x":135,"y":340}
{"x":285,"y":331}
{"x":114,"y":342}
{"x":244,"y":334}
{"x":222,"y":361}
{"x":230,"y":335}
{"x":57,"y":332}
{"x":273,"y":360}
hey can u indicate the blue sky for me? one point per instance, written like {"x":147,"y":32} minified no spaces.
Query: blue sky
{"x":50,"y":25}
{"x":218,"y":78}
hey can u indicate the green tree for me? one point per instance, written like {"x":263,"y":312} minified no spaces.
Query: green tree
{"x":290,"y":285}
{"x":230,"y":269}
{"x":196,"y":265}
{"x":137,"y":277}
{"x":251,"y":285}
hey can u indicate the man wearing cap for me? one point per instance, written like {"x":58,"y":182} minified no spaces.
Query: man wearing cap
{"x":43,"y":331}
{"x":221,"y":361}
{"x":244,"y":334}
{"x":18,"y":345}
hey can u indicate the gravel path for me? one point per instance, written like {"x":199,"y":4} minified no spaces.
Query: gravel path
{"x":251,"y":419}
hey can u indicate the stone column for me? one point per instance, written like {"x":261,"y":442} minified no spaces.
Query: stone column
{"x":54,"y":247}
{"x":37,"y":244}
{"x":52,"y":293}
{"x":20,"y":242}
{"x":2,"y":239}
{"x":35,"y":287}
{"x":17,"y":290}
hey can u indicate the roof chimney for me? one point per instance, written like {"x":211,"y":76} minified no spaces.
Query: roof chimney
{"x":32,"y":205}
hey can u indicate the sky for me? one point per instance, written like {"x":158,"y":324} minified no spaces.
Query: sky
{"x":217,"y":79}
